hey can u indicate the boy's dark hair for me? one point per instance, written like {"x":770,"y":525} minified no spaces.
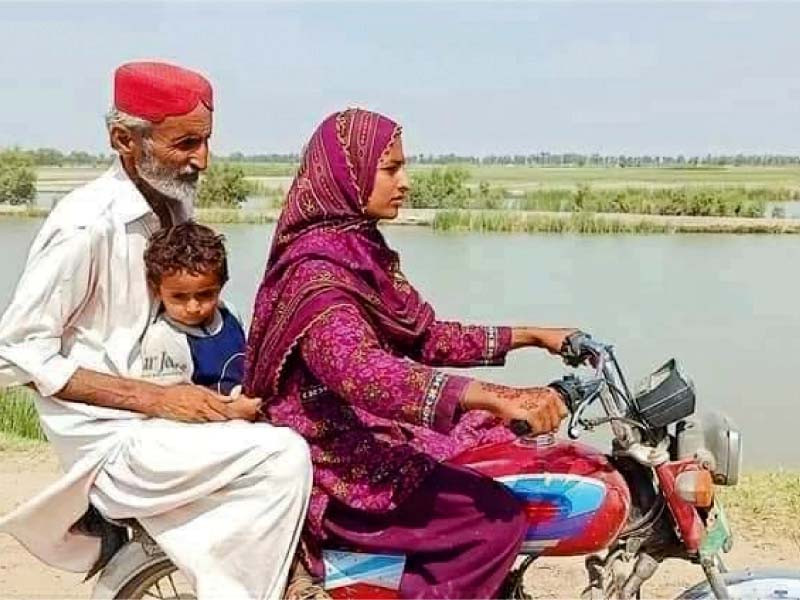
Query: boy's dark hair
{"x":187,"y":247}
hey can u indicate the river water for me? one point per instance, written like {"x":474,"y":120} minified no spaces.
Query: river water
{"x":725,"y":306}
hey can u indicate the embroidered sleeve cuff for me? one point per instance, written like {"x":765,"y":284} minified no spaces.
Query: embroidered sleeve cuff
{"x":498,"y":343}
{"x":440,"y":404}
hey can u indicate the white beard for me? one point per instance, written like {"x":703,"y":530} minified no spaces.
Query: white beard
{"x":175,"y":185}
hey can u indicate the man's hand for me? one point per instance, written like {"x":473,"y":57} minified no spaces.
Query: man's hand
{"x":196,"y":404}
{"x":182,"y":402}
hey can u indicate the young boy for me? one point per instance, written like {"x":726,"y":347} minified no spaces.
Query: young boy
{"x":195,"y":337}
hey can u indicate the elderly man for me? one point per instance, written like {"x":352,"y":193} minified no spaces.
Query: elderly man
{"x":223,"y":497}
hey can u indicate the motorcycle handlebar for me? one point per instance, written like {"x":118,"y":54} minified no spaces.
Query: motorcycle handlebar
{"x":579,"y":348}
{"x":571,"y":391}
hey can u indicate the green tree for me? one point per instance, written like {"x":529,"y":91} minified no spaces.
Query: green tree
{"x":48,"y":157}
{"x":223,"y":186}
{"x":17,"y":177}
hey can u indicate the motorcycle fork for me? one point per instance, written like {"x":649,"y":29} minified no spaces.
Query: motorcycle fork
{"x":714,"y":568}
{"x":606,"y":580}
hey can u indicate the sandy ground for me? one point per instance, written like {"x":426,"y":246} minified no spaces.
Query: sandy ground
{"x":24,"y":472}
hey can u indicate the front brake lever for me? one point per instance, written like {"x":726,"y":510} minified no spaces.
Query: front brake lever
{"x":589,"y":391}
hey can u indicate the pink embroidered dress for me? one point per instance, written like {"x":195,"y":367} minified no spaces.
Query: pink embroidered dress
{"x":343,"y":349}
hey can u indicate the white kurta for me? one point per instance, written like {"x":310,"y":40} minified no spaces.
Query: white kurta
{"x":224,"y":500}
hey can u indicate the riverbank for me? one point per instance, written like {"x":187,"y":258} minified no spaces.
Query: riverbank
{"x":760,"y":511}
{"x":509,"y":221}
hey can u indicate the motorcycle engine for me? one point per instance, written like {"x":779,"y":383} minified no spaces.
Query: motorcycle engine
{"x":715,"y":442}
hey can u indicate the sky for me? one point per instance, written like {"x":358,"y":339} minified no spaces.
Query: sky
{"x":464,"y":77}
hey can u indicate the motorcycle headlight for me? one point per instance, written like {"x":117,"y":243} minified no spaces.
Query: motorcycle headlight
{"x":666,"y":396}
{"x":715,"y":442}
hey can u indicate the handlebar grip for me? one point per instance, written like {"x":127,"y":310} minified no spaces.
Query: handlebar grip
{"x":569,"y":388}
{"x":574,"y":350}
{"x":520,"y":427}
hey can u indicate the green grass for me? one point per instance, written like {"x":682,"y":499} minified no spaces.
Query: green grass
{"x":226,"y":216}
{"x":522,"y":177}
{"x":18,"y":415}
{"x":692,"y":201}
{"x":588,"y":223}
{"x":765,"y":503}
{"x":504,"y":221}
{"x":26,"y":210}
{"x":254,"y":169}
{"x":13,"y":443}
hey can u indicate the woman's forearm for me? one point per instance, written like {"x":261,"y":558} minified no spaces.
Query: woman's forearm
{"x":481,"y":395}
{"x":549,"y":338}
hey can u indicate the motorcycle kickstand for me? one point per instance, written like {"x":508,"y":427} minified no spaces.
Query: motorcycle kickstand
{"x":513,"y":585}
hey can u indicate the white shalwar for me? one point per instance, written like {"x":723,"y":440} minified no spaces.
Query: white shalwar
{"x":225,"y":501}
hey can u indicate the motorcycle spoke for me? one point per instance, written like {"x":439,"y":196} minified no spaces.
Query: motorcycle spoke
{"x":157,"y":586}
{"x":172,"y":583}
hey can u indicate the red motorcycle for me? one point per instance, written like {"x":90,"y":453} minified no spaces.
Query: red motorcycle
{"x":651,"y":498}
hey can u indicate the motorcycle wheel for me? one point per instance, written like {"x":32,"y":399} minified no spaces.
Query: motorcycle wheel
{"x":752,"y":583}
{"x":136,"y":573}
{"x":161,"y":580}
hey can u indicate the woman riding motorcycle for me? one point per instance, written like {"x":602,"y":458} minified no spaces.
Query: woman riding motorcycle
{"x":342,"y":349}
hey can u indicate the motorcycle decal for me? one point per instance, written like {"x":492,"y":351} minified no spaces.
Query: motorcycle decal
{"x":348,"y":568}
{"x":557,"y":505}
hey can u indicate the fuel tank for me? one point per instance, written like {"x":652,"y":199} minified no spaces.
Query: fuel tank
{"x":575,"y":500}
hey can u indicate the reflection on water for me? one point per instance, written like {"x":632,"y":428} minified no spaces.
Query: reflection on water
{"x":726,"y":306}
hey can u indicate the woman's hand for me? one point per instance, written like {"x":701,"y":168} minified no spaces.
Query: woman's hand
{"x":541,"y":407}
{"x":549,"y":338}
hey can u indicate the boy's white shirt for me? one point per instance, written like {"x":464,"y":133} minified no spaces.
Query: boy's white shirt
{"x":166,"y":356}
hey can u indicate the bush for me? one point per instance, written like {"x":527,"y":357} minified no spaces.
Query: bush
{"x":17,"y":178}
{"x":223,"y":186}
{"x":440,"y":188}
{"x":693,"y":201}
